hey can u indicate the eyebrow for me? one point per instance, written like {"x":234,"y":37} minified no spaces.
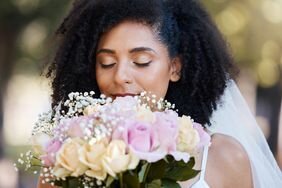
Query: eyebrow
{"x":142,"y":49}
{"x":108,"y":51}
{"x":138,"y":49}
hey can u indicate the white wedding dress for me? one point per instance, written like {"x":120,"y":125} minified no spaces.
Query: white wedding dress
{"x":233,"y":118}
{"x":201,"y":183}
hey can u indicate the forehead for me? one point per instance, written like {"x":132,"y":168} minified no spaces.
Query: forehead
{"x":129,"y":35}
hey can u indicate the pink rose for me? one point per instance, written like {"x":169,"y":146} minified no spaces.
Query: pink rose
{"x":167,"y":128}
{"x":204,"y":136}
{"x":50,"y":152}
{"x":124,"y":106}
{"x":47,"y":160}
{"x":126,"y":102}
{"x":141,"y":139}
{"x":73,"y":127}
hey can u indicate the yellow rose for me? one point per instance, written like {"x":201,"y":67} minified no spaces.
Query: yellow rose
{"x":91,"y":110}
{"x":91,"y":156}
{"x":67,"y":158}
{"x":188,"y":137}
{"x":117,"y":160}
{"x":60,"y":171}
{"x":146,"y":115}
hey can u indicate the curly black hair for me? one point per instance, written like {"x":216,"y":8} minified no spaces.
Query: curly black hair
{"x":184,"y":26}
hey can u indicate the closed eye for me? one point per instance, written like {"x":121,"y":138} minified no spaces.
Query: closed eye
{"x":106,"y":66}
{"x":142,"y":64}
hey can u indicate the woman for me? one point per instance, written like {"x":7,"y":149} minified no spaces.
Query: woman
{"x":173,"y":49}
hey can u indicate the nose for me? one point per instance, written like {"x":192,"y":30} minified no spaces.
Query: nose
{"x":123,"y":74}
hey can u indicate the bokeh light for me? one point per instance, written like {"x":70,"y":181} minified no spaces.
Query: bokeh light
{"x":271,"y":49}
{"x":219,"y":1}
{"x":268,"y":72}
{"x":232,"y":19}
{"x":26,"y":6}
{"x":28,"y":97}
{"x":32,"y":37}
{"x":272,"y":10}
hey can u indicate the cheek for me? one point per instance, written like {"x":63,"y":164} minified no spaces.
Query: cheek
{"x":155,"y":80}
{"x":103,"y":80}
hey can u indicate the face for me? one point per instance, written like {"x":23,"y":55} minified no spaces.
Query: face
{"x":130,"y":59}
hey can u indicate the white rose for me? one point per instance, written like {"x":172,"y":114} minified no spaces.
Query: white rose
{"x":91,"y":156}
{"x":188,"y":137}
{"x":67,"y":158}
{"x":117,"y":160}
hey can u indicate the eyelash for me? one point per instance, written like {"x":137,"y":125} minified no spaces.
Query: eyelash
{"x":137,"y":64}
{"x":143,"y":64}
{"x":107,"y":66}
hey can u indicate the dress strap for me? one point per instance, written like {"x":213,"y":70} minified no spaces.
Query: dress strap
{"x":204,"y":163}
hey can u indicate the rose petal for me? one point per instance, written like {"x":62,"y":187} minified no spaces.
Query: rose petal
{"x":177,"y":155}
{"x":150,"y":157}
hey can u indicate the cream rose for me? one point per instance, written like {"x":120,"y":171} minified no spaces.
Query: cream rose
{"x":91,"y":156}
{"x":91,"y":110}
{"x":117,"y":160}
{"x":67,"y":158}
{"x":60,"y":171}
{"x":146,"y":115}
{"x":188,"y":137}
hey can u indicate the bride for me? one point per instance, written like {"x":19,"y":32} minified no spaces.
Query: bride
{"x":172,"y":49}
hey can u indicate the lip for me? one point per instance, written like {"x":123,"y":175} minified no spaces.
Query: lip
{"x":124,"y":94}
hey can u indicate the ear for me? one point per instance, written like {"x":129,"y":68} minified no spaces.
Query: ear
{"x":175,"y":69}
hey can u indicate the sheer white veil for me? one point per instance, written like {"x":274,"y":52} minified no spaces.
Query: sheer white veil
{"x":234,"y":118}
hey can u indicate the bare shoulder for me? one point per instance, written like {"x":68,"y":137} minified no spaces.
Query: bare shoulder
{"x":228,"y":159}
{"x":228,"y":149}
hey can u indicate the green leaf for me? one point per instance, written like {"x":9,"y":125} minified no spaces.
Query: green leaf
{"x":166,"y":159}
{"x":190,"y":163}
{"x":65,"y":184}
{"x":142,"y":173}
{"x":109,"y":181}
{"x":181,"y":171}
{"x":157,"y":170}
{"x":70,"y":182}
{"x":154,"y":184}
{"x":58,"y":183}
{"x":35,"y":162}
{"x":169,"y":184}
{"x":74,"y":183}
{"x":130,"y":180}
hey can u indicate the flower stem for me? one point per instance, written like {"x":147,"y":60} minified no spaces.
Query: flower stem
{"x":146,"y":172}
{"x":120,"y":180}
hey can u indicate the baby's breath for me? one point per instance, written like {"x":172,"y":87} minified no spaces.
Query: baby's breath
{"x":47,"y":176}
{"x":27,"y":161}
{"x":151,"y":101}
{"x":44,"y":124}
{"x":89,"y":182}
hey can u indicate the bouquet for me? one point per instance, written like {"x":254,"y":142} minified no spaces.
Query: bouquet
{"x":132,"y":141}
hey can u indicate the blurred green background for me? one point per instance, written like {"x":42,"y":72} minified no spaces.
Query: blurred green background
{"x":253,"y":29}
